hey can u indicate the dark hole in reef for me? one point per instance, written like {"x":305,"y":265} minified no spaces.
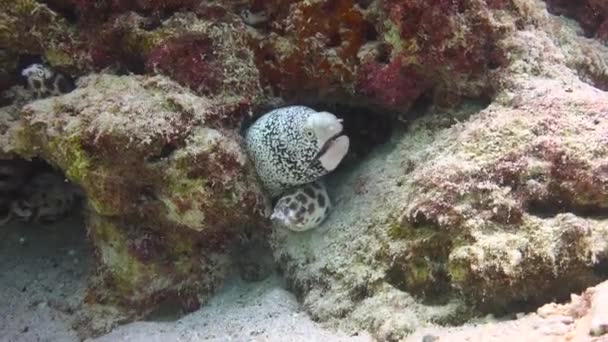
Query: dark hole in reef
{"x":164,"y":153}
{"x":461,"y":6}
{"x":5,"y":100}
{"x":384,"y":54}
{"x":147,"y":194}
{"x":170,"y":309}
{"x":270,"y":57}
{"x":130,"y":64}
{"x":601,"y":267}
{"x":63,"y":8}
{"x":365,"y":127}
{"x":252,"y":256}
{"x":421,"y":105}
{"x":152,"y":23}
{"x":543,"y":209}
{"x":421,"y":220}
{"x":364,"y":4}
{"x":552,"y":208}
{"x":559,"y":293}
{"x":37,"y":192}
{"x":493,"y":65}
{"x":433,"y":291}
{"x":369,"y":32}
{"x":47,"y":254}
{"x":359,"y":293}
{"x":334,"y":40}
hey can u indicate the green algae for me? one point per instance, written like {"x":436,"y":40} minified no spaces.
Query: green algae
{"x":185,"y":191}
{"x":68,"y":153}
{"x":406,"y":47}
{"x":125,"y":271}
{"x":59,"y":58}
{"x":458,"y":271}
{"x":418,"y":272}
{"x":400,"y":231}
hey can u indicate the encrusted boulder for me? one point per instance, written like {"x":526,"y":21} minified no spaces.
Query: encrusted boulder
{"x":493,"y":201}
{"x":29,"y":27}
{"x":169,"y":189}
{"x":492,"y":207}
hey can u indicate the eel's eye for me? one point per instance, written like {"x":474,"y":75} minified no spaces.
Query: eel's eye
{"x":310,"y":134}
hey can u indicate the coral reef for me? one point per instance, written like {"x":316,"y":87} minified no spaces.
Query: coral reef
{"x":485,"y":208}
{"x":493,"y":201}
{"x":32,"y":28}
{"x":167,"y":194}
{"x":506,"y":210}
{"x":391,"y":52}
{"x":320,"y":49}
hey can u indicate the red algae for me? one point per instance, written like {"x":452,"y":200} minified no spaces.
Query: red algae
{"x":189,"y":60}
{"x":392,"y":85}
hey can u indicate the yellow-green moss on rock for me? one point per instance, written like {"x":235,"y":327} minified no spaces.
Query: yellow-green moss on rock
{"x":167,"y":196}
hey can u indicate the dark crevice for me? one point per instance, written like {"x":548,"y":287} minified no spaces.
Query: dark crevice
{"x":33,"y":189}
{"x":369,"y":32}
{"x":364,"y":4}
{"x":601,"y":267}
{"x":152,"y":23}
{"x":384,"y":53}
{"x":132,"y":65}
{"x":169,"y":309}
{"x":420,"y":220}
{"x":557,"y":293}
{"x":365,"y":128}
{"x":435,"y":292}
{"x":421,"y":105}
{"x":164,"y":153}
{"x":550,"y":209}
{"x":63,"y":8}
{"x":334,"y":41}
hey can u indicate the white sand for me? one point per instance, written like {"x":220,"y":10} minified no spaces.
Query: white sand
{"x":43,"y":277}
{"x":42,"y":274}
{"x":240,"y":312}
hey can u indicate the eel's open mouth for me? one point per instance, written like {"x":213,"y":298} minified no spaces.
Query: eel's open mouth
{"x":333,"y":151}
{"x":328,"y":144}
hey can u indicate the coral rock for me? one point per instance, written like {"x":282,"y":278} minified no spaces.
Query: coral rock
{"x":167,"y":195}
{"x":500,"y":210}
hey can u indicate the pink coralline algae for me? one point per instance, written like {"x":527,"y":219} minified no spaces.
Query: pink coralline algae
{"x":393,"y":84}
{"x":189,"y":60}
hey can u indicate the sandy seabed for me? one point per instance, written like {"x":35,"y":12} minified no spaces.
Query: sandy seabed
{"x":43,"y":273}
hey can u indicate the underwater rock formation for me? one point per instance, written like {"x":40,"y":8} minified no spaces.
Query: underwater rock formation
{"x":168,"y":190}
{"x":389,"y":52}
{"x":591,"y":14}
{"x":502,"y":202}
{"x":493,"y":201}
{"x":582,"y":318}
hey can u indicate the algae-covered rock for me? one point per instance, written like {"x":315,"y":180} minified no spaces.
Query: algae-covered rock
{"x":168,"y":193}
{"x":492,"y":207}
{"x":31,"y":28}
{"x":496,"y":203}
{"x":507,"y":210}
